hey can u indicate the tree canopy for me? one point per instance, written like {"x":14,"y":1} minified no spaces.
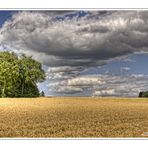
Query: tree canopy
{"x":143,"y":94}
{"x":19,"y":75}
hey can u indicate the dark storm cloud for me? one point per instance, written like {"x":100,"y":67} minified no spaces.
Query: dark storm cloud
{"x":65,"y":43}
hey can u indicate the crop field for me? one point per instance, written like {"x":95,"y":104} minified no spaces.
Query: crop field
{"x":73,"y":117}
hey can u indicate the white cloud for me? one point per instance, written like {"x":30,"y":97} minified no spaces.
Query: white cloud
{"x":109,"y":92}
{"x":69,"y":90}
{"x":102,"y":85}
{"x":85,"y":81}
{"x":129,"y":85}
{"x":125,"y":69}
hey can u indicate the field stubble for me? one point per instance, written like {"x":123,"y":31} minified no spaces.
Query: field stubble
{"x":73,"y":117}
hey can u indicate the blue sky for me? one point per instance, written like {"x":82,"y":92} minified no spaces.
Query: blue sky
{"x":5,"y":15}
{"x":93,"y":53}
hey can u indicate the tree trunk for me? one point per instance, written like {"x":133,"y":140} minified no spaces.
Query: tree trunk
{"x":3,"y":89}
{"x":22,"y":93}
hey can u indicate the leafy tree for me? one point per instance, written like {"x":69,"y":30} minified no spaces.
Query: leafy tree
{"x":19,"y":75}
{"x":8,"y":73}
{"x":31,"y":73}
{"x":143,"y":94}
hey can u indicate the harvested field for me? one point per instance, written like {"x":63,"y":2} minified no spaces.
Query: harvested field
{"x":73,"y":117}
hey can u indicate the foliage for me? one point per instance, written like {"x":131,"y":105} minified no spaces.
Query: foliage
{"x":143,"y":94}
{"x":19,"y":75}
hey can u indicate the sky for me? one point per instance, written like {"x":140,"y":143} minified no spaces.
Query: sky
{"x":84,"y":53}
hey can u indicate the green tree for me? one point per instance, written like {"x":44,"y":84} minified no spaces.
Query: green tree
{"x":8,"y":73}
{"x":31,"y":73}
{"x":19,"y":75}
{"x":143,"y":94}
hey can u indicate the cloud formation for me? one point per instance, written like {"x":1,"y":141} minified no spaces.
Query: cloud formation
{"x":79,"y":41}
{"x":103,"y":85}
{"x":122,"y":69}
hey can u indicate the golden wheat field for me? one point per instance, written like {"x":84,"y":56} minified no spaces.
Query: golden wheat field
{"x":73,"y":117}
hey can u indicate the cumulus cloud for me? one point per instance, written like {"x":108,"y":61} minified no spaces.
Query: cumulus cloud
{"x":124,"y":69}
{"x":109,"y":92}
{"x":129,"y":85}
{"x":75,"y":84}
{"x":102,"y":85}
{"x":76,"y":42}
{"x":63,"y":72}
{"x":69,"y":90}
{"x":85,"y":81}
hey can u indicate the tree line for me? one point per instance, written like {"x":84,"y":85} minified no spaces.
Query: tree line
{"x":143,"y":94}
{"x":19,"y":75}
